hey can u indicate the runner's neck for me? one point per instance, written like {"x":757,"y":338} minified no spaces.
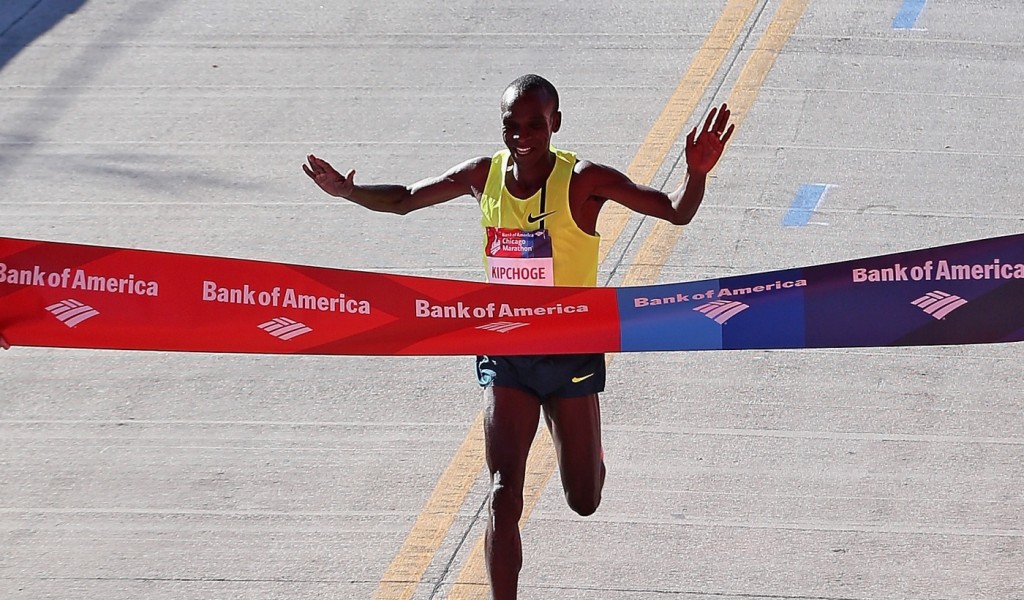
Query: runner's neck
{"x":525,"y":180}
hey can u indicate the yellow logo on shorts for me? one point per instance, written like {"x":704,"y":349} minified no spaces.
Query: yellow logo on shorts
{"x":579,"y":379}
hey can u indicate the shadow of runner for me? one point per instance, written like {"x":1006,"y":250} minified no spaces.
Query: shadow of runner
{"x":22,"y":21}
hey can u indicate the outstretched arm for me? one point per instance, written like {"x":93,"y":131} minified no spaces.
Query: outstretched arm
{"x":703,"y":149}
{"x":464,"y":179}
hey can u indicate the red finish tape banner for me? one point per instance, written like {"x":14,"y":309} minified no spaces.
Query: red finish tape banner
{"x":81,"y":296}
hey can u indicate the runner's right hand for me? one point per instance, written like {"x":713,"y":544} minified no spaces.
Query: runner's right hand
{"x":329,"y":180}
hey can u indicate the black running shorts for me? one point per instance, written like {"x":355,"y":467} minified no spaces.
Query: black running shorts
{"x":545,"y":376}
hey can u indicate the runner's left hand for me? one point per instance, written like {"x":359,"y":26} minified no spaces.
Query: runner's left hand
{"x":704,"y":149}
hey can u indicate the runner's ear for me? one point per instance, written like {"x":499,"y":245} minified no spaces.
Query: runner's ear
{"x":556,"y":121}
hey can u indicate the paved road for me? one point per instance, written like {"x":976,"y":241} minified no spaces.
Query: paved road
{"x":180,"y":125}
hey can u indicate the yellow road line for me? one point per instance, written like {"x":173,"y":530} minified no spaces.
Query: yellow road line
{"x":662,"y":239}
{"x":540,"y":465}
{"x":680,"y":106}
{"x":432,"y":525}
{"x":471,"y":583}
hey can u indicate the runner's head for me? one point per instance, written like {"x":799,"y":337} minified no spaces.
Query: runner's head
{"x":528,"y":83}
{"x":529,"y":117}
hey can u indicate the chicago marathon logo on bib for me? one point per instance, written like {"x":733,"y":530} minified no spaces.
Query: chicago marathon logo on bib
{"x":519,"y":257}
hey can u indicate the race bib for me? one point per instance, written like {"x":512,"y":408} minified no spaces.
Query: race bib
{"x":519,"y":257}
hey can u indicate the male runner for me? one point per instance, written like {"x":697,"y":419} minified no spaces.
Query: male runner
{"x":540,"y":208}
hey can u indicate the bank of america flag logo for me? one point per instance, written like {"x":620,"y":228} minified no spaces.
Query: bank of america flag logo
{"x":502,"y":326}
{"x":72,"y":312}
{"x":721,"y":311}
{"x":285,"y":329}
{"x":939,"y":304}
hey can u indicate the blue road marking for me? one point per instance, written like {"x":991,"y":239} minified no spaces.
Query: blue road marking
{"x":804,"y":204}
{"x":907,"y":17}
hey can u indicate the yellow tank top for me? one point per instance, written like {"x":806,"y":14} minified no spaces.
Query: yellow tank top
{"x":544,"y":218}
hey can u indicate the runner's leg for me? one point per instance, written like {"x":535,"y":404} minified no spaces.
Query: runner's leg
{"x":510,"y":424}
{"x":575,"y":425}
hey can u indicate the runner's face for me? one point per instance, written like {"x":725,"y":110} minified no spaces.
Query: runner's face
{"x":527,"y":124}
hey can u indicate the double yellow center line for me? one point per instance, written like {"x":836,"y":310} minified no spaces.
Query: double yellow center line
{"x":662,"y":239}
{"x":406,"y":571}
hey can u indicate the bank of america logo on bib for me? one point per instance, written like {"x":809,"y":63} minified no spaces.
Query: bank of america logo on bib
{"x":72,"y":312}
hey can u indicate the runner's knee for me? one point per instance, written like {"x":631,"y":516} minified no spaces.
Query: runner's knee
{"x":584,"y":495}
{"x":584,"y":503}
{"x":506,"y":503}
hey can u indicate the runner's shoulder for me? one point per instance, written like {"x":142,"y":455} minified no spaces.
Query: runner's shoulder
{"x":590,"y":175}
{"x":589,"y":168}
{"x":476,"y":163}
{"x":473,"y":171}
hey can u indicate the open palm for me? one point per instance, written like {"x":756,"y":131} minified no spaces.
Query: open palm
{"x":705,"y":148}
{"x":329,"y":180}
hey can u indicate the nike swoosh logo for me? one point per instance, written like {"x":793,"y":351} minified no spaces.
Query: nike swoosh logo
{"x":579,"y":379}
{"x":534,"y":219}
